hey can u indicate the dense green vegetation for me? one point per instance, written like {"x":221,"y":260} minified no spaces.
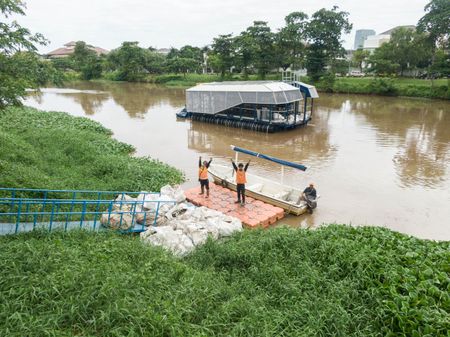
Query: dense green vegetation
{"x":304,"y":42}
{"x":54,"y":150}
{"x":334,"y":281}
{"x":388,"y":87}
{"x":20,"y":65}
{"x":307,"y":42}
{"x":409,"y":87}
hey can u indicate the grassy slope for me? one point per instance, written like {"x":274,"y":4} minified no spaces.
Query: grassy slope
{"x":335,"y":281}
{"x":54,"y":150}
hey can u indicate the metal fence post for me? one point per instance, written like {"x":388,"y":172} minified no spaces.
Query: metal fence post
{"x":83,"y":212}
{"x":18,"y":216}
{"x":157,"y":213}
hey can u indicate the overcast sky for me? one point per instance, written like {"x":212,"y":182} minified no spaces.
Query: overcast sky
{"x":174,"y":23}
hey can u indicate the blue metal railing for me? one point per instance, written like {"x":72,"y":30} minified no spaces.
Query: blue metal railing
{"x":24,"y":209}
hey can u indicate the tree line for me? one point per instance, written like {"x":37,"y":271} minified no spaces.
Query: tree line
{"x":311,"y":42}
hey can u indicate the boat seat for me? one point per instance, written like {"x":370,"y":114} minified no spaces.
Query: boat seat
{"x":256,"y":187}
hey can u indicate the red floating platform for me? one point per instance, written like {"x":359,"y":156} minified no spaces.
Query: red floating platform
{"x":253,"y":214}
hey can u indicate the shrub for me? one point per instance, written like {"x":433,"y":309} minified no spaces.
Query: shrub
{"x":382,"y":86}
{"x":327,"y":82}
{"x":442,"y":91}
{"x":161,"y":79}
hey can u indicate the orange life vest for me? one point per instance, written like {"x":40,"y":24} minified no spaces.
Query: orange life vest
{"x":241,"y":177}
{"x":203,"y":173}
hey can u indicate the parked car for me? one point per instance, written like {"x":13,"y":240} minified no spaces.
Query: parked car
{"x":356,"y":73}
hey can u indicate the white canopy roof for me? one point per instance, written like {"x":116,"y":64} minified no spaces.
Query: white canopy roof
{"x":211,"y":98}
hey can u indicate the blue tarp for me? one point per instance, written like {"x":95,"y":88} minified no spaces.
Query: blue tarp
{"x":275,"y":160}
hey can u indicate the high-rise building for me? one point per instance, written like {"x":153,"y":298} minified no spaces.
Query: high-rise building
{"x":361,"y":36}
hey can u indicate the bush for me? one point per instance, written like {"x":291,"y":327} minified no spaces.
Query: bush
{"x":382,"y":86}
{"x":441,"y":91}
{"x":162,"y":79}
{"x":327,"y":82}
{"x":111,"y":75}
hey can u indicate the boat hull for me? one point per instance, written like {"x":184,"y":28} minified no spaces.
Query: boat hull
{"x":288,"y":207}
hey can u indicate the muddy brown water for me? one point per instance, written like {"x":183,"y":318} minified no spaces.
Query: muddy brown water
{"x":375,"y":160}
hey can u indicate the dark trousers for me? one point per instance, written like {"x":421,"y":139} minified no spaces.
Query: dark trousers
{"x":241,"y":192}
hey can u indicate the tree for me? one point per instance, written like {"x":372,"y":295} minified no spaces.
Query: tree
{"x":436,"y":23}
{"x":186,"y":59}
{"x":406,"y":50}
{"x":86,"y":61}
{"x":290,"y":41}
{"x":382,"y":61}
{"x":409,"y":49}
{"x":282,"y":56}
{"x":244,"y":52}
{"x":360,"y":56}
{"x":129,"y":61}
{"x":441,"y":64}
{"x":16,"y":69}
{"x":223,"y":49}
{"x":324,"y":32}
{"x":155,"y":62}
{"x":262,"y":39}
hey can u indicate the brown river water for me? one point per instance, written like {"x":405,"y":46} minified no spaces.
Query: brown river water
{"x":375,"y":160}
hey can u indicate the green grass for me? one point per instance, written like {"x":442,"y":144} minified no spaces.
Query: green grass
{"x":53,"y":150}
{"x":393,"y":87}
{"x":408,"y":87}
{"x":334,"y":281}
{"x":188,"y":80}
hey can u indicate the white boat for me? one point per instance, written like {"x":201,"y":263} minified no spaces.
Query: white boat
{"x":263,"y":189}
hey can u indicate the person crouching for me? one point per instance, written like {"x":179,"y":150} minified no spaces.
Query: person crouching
{"x":241,"y":180}
{"x":203,"y":176}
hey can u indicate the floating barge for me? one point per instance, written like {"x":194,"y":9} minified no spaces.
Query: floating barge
{"x":267,"y":106}
{"x":254,"y":214}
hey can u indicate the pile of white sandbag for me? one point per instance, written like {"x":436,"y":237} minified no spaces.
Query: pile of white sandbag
{"x":180,"y":226}
{"x":187,"y":227}
{"x":127,"y":211}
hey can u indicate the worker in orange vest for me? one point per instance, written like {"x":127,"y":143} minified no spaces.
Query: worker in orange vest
{"x":241,"y":180}
{"x":203,"y":176}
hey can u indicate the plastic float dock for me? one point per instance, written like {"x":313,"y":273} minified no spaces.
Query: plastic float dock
{"x":253,"y":214}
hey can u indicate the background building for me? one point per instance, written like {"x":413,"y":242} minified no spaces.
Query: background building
{"x":375,"y":41}
{"x":69,"y":48}
{"x":360,"y":36}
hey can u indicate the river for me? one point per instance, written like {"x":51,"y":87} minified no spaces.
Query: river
{"x":381,"y":161}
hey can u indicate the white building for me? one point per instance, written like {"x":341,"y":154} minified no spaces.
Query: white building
{"x":375,"y":41}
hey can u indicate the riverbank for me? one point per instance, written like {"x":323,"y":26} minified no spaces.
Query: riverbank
{"x":53,"y":150}
{"x":406,"y":87}
{"x":389,"y":87}
{"x":335,"y":280}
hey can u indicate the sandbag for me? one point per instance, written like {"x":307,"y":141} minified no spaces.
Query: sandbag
{"x":196,"y":223}
{"x":123,"y":202}
{"x":174,"y":192}
{"x":173,"y":240}
{"x":117,"y":220}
